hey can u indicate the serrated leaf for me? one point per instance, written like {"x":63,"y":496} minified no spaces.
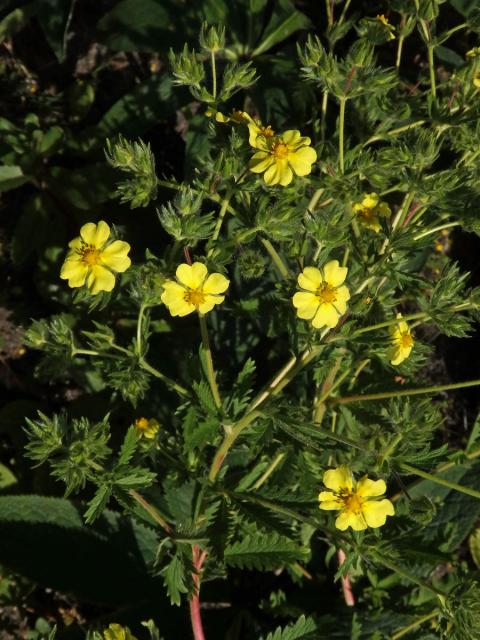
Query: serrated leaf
{"x":261,"y":551}
{"x":302,"y":629}
{"x":174,"y":579}
{"x":129,"y":446}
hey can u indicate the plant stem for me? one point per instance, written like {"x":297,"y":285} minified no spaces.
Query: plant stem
{"x":231,"y":435}
{"x":195,"y":614}
{"x":431,"y":65}
{"x":323,"y":115}
{"x":139,"y":329}
{"x":435,"y":229}
{"x":445,"y":483}
{"x":214,"y":75}
{"x":345,"y":580}
{"x":268,"y":472}
{"x":399,"y":51}
{"x":209,"y":361}
{"x":281,"y":266}
{"x":403,"y":573}
{"x":221,"y":216}
{"x":151,"y":510}
{"x":341,"y":132}
{"x":404,"y":630}
{"x":405,"y":392}
{"x":161,"y":376}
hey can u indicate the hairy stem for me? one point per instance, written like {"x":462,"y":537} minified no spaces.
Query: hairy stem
{"x":278,"y":262}
{"x":161,"y":376}
{"x":341,"y":133}
{"x":198,"y":559}
{"x":442,"y":481}
{"x":416,"y":623}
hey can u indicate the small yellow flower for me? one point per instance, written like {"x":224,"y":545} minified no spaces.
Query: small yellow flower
{"x":357,"y":501}
{"x":390,"y":28}
{"x":93,"y":259}
{"x":325,"y":297}
{"x":402,"y":342}
{"x":147,"y":428}
{"x":195,"y":290}
{"x":476,"y":78}
{"x":280,"y":157}
{"x":236,"y":116}
{"x":256,"y":129}
{"x":370,"y":209}
{"x":117,"y":632}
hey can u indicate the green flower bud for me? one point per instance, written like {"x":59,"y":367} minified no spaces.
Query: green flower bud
{"x":251,"y":264}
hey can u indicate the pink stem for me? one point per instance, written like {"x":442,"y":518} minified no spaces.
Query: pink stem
{"x":195,"y":616}
{"x":345,"y":580}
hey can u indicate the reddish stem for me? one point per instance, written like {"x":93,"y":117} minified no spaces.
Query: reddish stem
{"x":346,"y":584}
{"x":187,"y":255}
{"x":411,"y":213}
{"x":198,"y":558}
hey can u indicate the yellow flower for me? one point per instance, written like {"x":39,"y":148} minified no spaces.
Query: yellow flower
{"x":370,"y":209}
{"x":147,"y":428}
{"x":476,"y":78}
{"x":473,"y":53}
{"x":92,"y":259}
{"x":325,"y":297}
{"x":117,"y":632}
{"x":194,"y":290}
{"x":390,"y":28}
{"x":235,"y":116}
{"x":282,"y":156}
{"x":256,"y":129}
{"x":402,"y":342}
{"x":357,"y":501}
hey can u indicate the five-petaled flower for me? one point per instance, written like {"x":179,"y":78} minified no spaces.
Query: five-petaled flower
{"x":147,"y":428}
{"x":325,"y":297}
{"x":194,"y":290}
{"x":357,"y":502}
{"x":92,"y":259}
{"x":370,"y":209}
{"x":280,"y":157}
{"x":401,"y":342}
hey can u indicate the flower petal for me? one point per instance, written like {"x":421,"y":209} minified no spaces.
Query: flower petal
{"x":210,"y":302}
{"x":115,"y":256}
{"x":95,"y":234}
{"x":216,"y":283}
{"x":310,"y":279}
{"x":376,"y":512}
{"x":326,"y":316}
{"x":75,"y":271}
{"x":192,"y":276}
{"x":367,"y":488}
{"x":292,"y":136}
{"x":100,"y":279}
{"x":260,"y":162}
{"x":349,"y":519}
{"x":342,"y":297}
{"x":334,"y":274}
{"x":338,"y":479}
{"x":278,"y":173}
{"x":301,"y":161}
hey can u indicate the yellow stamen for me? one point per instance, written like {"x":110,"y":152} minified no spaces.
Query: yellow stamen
{"x":326,"y":293}
{"x":280,"y":150}
{"x":406,"y":340}
{"x":353,"y":503}
{"x":90,"y":254}
{"x":194,"y":296}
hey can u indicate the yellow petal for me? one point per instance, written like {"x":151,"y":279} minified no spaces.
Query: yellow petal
{"x":292,"y":136}
{"x":216,"y":283}
{"x":306,"y":305}
{"x":367,"y":488}
{"x":383,"y":210}
{"x":376,"y":512}
{"x":260,"y":162}
{"x":75,"y":272}
{"x":301,"y":161}
{"x":210,"y":302}
{"x":343,"y":296}
{"x":339,"y":479}
{"x":370,"y":200}
{"x":76,"y":243}
{"x":192,"y":276}
{"x":326,"y":316}
{"x":329,"y":501}
{"x":95,"y":234}
{"x":115,"y":256}
{"x":334,"y":274}
{"x":310,"y":279}
{"x":100,"y":279}
{"x":349,"y":519}
{"x":278,"y":173}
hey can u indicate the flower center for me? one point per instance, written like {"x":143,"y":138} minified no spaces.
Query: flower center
{"x":406,"y":340}
{"x":280,"y":150}
{"x":90,"y":254}
{"x":366,"y":214}
{"x":326,"y":293}
{"x":194,"y":296}
{"x":267,"y":131}
{"x":141,"y":424}
{"x":352,"y":503}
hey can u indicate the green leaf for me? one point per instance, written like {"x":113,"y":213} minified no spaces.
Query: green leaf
{"x":11,"y":177}
{"x":449,"y":56}
{"x":261,"y":551}
{"x":283,"y":23}
{"x":129,"y":446}
{"x":474,"y":545}
{"x":16,"y":20}
{"x":174,"y":579}
{"x":53,"y":16}
{"x":7,"y":479}
{"x":302,"y":629}
{"x":46,"y":540}
{"x":84,"y":187}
